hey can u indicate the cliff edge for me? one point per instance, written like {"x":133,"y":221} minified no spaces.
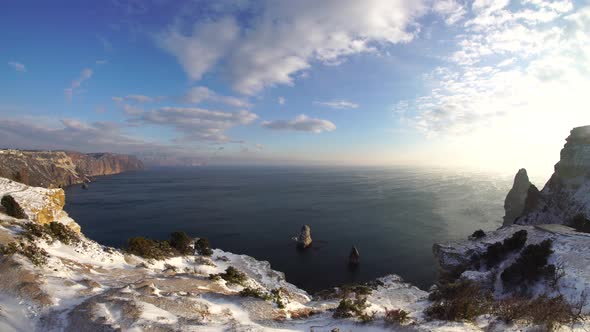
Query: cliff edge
{"x":53,"y":169}
{"x":565,"y":196}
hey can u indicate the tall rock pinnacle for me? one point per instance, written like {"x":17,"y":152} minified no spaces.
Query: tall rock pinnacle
{"x":515,"y":200}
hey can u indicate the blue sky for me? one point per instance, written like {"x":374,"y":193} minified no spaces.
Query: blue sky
{"x":484,"y":83}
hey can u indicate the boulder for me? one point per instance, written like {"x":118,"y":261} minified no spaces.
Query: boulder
{"x":304,"y":238}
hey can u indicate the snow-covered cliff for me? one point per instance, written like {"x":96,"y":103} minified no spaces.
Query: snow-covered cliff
{"x":567,"y":193}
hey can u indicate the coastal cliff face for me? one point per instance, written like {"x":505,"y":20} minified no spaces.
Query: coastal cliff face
{"x":53,"y":169}
{"x":95,"y":164}
{"x":567,"y":193}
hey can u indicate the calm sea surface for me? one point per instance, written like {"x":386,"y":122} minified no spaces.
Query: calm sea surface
{"x":392,"y":215}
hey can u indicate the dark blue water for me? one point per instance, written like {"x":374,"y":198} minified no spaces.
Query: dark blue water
{"x":392,"y":215}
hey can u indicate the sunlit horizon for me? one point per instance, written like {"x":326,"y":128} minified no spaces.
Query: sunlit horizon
{"x":481,"y":85}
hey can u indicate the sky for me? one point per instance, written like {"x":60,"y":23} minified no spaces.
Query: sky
{"x":487,"y":84}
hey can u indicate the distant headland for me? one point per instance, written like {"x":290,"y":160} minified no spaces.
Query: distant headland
{"x":62,"y":168}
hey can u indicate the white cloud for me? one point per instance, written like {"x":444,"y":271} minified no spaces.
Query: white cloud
{"x":287,"y":36}
{"x":101,"y":62}
{"x":17,"y":66}
{"x":301,"y":123}
{"x":199,"y":51}
{"x":84,"y":75}
{"x":281,"y":100}
{"x":199,"y":94}
{"x":196,"y":124}
{"x":337,"y":104}
{"x":451,"y":10}
{"x":513,"y":73}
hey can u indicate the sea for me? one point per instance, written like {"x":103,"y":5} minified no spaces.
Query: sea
{"x":392,"y":215}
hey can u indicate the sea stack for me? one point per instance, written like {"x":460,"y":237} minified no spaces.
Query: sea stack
{"x":354,"y":258}
{"x":304,"y":239}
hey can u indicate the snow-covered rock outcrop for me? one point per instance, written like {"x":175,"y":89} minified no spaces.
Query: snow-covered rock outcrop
{"x":40,"y":205}
{"x":571,"y":253}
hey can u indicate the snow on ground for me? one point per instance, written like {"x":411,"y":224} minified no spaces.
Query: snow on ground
{"x":87,"y":286}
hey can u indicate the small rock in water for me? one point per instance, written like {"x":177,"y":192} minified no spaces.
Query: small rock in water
{"x":304,"y":239}
{"x":354,"y":258}
{"x":84,"y":185}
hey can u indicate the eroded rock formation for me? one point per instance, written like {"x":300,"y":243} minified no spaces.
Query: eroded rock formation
{"x":516,"y":198}
{"x":59,"y":169}
{"x":304,"y":238}
{"x":567,"y":193}
{"x":38,"y":204}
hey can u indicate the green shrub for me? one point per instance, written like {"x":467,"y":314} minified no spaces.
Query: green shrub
{"x":396,"y":316}
{"x":52,"y":231}
{"x":516,"y":241}
{"x":148,"y":248}
{"x":530,"y":266}
{"x":181,"y":242}
{"x":33,"y":230}
{"x":497,"y":252}
{"x":459,"y":301}
{"x":275,"y":295}
{"x":351,"y":308}
{"x":202,"y":247}
{"x":478,"y":234}
{"x":580,"y":223}
{"x":256,"y":293}
{"x":37,"y":256}
{"x":365,"y":288}
{"x":360,"y":289}
{"x":63,"y":233}
{"x":231,"y":276}
{"x":13,"y":209}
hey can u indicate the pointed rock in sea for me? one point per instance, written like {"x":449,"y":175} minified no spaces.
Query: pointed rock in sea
{"x":304,"y":238}
{"x":354,"y":258}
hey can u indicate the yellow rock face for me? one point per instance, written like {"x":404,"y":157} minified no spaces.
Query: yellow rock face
{"x":50,"y":211}
{"x":40,"y":205}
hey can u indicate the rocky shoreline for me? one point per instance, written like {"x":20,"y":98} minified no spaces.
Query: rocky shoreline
{"x":532,"y":274}
{"x":58,"y":169}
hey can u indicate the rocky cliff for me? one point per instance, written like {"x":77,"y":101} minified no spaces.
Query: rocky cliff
{"x":567,"y":193}
{"x":62,"y":168}
{"x":535,"y":253}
